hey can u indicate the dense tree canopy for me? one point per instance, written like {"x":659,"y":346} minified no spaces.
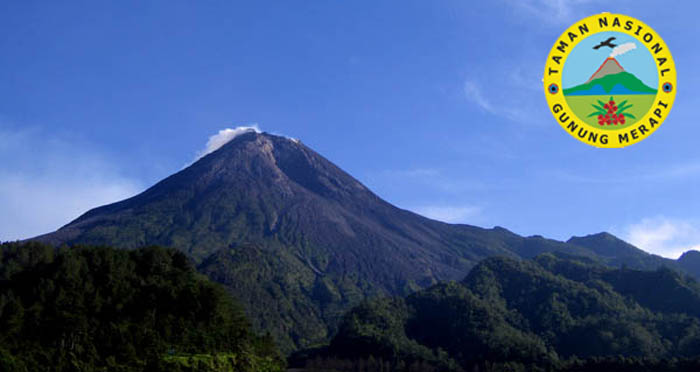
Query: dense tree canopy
{"x":87,"y":308}
{"x":551,"y":313}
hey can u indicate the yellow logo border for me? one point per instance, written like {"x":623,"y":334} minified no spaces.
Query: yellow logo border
{"x":556,"y":60}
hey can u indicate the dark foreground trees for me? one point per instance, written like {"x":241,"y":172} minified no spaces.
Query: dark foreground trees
{"x":99,"y":309}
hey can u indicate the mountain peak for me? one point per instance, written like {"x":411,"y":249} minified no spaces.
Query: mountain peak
{"x":606,"y":245}
{"x":690,"y":260}
{"x":225,"y":136}
{"x":608,"y":67}
{"x":253,"y":140}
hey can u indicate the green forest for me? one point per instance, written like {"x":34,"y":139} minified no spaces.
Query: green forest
{"x":102,"y":309}
{"x":552,"y":313}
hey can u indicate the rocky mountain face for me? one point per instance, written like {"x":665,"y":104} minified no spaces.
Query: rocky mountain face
{"x":298,"y":241}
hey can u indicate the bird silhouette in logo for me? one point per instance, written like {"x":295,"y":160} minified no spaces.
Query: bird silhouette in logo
{"x":606,"y":43}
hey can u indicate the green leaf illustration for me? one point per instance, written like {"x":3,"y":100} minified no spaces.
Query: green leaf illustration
{"x":599,"y":108}
{"x":621,"y":110}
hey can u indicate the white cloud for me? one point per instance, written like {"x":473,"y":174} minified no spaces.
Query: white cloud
{"x":295,"y":140}
{"x":554,"y":11}
{"x":34,"y":205}
{"x":512,"y":106}
{"x":223,"y":137}
{"x":668,"y":237}
{"x":45,"y":182}
{"x":473,"y":93}
{"x":622,"y":49}
{"x":450,"y":214}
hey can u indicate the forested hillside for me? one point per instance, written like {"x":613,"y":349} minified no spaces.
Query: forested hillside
{"x":99,"y":309}
{"x":552,"y":313}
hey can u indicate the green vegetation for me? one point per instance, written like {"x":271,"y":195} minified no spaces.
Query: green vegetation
{"x":220,"y":362}
{"x":608,"y":82}
{"x":99,"y":309}
{"x":583,"y":105}
{"x":553,"y":313}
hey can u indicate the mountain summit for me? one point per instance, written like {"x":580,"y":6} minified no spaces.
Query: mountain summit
{"x":297,"y":240}
{"x":608,"y":67}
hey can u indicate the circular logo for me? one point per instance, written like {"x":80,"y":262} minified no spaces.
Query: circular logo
{"x":610,"y":80}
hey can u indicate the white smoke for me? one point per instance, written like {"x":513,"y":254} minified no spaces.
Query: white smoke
{"x":222,"y":138}
{"x":622,"y":49}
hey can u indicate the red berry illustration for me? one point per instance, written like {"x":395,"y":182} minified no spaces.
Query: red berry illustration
{"x":609,"y":113}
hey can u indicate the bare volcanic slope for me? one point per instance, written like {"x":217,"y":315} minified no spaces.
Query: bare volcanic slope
{"x":293,"y":237}
{"x":278,"y":193}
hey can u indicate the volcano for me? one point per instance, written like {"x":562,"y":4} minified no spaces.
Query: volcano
{"x":610,"y":78}
{"x":297,"y":240}
{"x":608,"y":67}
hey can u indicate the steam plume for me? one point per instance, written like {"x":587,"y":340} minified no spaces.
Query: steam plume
{"x":622,"y":49}
{"x":223,"y":137}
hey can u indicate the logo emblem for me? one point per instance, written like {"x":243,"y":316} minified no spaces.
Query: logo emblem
{"x":610,"y":80}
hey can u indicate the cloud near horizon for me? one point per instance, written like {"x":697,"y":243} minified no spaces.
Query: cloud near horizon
{"x":554,"y":11}
{"x":49,"y":182}
{"x":667,"y":237}
{"x":512,"y":99}
{"x":449,"y":214}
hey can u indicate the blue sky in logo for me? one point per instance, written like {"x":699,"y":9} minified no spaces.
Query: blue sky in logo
{"x":583,"y":60}
{"x":436,"y":106}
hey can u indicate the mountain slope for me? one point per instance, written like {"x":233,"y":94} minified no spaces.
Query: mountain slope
{"x":608,"y":67}
{"x":690,"y":262}
{"x":619,"y":83}
{"x":293,"y":237}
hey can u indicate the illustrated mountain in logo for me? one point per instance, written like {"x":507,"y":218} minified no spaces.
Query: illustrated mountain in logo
{"x":610,"y":78}
{"x":609,"y":67}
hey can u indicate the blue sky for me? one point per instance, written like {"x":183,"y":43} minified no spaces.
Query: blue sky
{"x":436,"y":106}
